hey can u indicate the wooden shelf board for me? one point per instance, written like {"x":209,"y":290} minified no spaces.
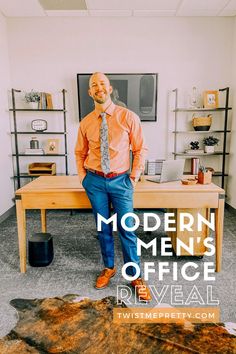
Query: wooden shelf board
{"x":215,"y":174}
{"x":26,"y":175}
{"x":45,"y":155}
{"x":33,"y":132}
{"x":203,"y":154}
{"x":220,"y":109}
{"x":35,"y":110}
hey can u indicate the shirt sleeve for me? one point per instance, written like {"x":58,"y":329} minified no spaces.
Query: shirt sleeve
{"x":138,"y":146}
{"x":81,"y":152}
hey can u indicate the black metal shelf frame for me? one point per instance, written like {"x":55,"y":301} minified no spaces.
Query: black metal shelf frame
{"x":224,"y":131}
{"x":17,"y":174}
{"x":199,"y":132}
{"x":37,"y":133}
{"x":33,"y":110}
{"x":214,"y":174}
{"x":203,"y":154}
{"x":27,"y":176}
{"x":220,"y":109}
{"x":45,"y":155}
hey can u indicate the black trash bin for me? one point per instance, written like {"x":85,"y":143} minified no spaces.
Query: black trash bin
{"x":40,"y":249}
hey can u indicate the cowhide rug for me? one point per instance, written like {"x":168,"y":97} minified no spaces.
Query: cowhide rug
{"x":70,"y":325}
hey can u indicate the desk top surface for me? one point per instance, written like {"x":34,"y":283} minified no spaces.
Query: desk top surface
{"x":71,"y":183}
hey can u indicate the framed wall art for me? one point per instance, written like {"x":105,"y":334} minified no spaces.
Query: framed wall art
{"x":137,"y":92}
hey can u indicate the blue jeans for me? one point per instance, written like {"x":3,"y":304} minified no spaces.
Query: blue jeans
{"x":118,"y":191}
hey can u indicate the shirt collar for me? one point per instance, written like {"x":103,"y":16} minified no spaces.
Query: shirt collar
{"x":110,"y":109}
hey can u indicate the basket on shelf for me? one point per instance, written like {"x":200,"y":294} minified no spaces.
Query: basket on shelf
{"x":202,"y":123}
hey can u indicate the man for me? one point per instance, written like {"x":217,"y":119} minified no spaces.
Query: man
{"x":103,"y":159}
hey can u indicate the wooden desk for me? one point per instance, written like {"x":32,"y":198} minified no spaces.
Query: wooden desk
{"x":65,"y":192}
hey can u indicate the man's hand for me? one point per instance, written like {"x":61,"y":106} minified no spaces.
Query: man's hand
{"x":82,"y":178}
{"x":133,"y":182}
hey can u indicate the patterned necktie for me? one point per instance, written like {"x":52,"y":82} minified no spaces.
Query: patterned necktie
{"x":104,"y":145}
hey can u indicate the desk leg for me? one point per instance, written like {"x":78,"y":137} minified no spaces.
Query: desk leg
{"x":219,"y":228}
{"x":43,"y":220}
{"x":208,"y":213}
{"x":21,"y":227}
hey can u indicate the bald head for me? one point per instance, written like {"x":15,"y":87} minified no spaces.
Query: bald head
{"x":99,"y":75}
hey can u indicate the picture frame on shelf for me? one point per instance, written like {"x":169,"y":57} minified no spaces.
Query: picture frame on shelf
{"x":211,"y":99}
{"x":52,"y":146}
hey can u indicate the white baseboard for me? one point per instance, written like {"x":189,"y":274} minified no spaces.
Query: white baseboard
{"x":8,"y":213}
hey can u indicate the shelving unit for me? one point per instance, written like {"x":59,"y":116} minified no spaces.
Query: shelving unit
{"x":17,"y":155}
{"x":225,"y":131}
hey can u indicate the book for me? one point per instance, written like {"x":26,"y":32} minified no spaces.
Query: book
{"x":29,"y":151}
{"x":42,"y":102}
{"x":49,"y":104}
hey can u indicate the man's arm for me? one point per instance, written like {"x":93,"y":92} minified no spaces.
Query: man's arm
{"x":138,"y":146}
{"x":81,"y":152}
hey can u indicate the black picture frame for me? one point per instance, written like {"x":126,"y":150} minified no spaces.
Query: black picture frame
{"x":138,"y":92}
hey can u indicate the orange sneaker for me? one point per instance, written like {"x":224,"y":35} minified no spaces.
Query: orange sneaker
{"x":141,"y":289}
{"x":104,"y":278}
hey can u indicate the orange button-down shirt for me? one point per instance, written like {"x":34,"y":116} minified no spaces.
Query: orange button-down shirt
{"x":124,"y":133}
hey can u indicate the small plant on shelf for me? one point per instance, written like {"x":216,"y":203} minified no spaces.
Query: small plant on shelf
{"x":204,"y":175}
{"x":32,"y":96}
{"x":203,"y":169}
{"x":210,"y":143}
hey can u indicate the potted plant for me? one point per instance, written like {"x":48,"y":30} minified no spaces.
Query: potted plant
{"x":32,"y":98}
{"x":210,"y":143}
{"x":204,"y":175}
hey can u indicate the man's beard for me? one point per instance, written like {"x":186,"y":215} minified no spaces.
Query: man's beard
{"x":101,"y":100}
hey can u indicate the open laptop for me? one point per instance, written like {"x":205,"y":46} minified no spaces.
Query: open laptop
{"x":172,"y":170}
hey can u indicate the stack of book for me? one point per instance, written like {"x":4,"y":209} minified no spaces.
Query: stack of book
{"x":29,"y":151}
{"x":193,"y":152}
{"x":45,"y":101}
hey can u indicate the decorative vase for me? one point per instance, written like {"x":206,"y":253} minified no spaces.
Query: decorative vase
{"x":195,"y":164}
{"x":195,"y":98}
{"x":34,"y":143}
{"x":209,"y":149}
{"x":33,"y":105}
{"x":204,"y":177}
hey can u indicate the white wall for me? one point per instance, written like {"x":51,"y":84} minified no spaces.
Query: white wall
{"x":6,"y":186}
{"x":46,"y":54}
{"x":232,"y":169}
